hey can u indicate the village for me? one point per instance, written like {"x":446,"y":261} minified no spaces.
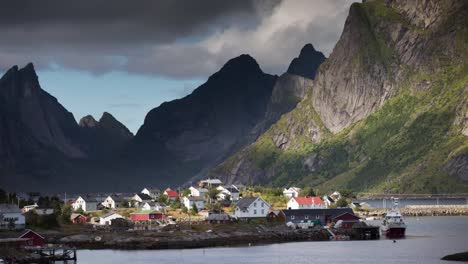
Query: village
{"x":206,"y":214}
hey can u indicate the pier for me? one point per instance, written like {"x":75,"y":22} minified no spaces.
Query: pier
{"x":51,"y":254}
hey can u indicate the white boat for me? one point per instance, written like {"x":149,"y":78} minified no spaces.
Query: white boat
{"x":393,"y":225}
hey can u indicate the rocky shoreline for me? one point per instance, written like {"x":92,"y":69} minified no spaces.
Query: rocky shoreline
{"x":189,"y":238}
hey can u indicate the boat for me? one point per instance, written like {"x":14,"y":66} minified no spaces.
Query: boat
{"x":393,"y":225}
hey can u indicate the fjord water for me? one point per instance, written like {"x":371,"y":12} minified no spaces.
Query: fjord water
{"x":428,"y":239}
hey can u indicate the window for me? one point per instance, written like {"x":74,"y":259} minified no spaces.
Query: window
{"x":255,"y":204}
{"x":263,"y":204}
{"x":263,"y":212}
{"x":255,"y":212}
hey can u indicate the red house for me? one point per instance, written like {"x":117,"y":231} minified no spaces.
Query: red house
{"x":33,"y":239}
{"x":173,"y":195}
{"x":146,"y":215}
{"x":78,"y":219}
{"x":156,"y":215}
{"x":142,"y":215}
{"x":347,"y":220}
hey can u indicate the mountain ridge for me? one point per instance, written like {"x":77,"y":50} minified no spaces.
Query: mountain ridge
{"x":333,"y":138}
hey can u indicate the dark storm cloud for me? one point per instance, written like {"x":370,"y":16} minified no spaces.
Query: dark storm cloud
{"x":171,"y":38}
{"x":115,"y":21}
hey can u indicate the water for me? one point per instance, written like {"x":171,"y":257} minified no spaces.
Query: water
{"x":428,"y":239}
{"x":380,"y":203}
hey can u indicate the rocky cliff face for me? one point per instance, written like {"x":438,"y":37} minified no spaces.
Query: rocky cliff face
{"x":360,"y":125}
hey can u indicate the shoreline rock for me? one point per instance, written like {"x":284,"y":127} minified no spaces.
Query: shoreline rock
{"x":462,"y":256}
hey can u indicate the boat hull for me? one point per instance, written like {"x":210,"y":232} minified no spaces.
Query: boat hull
{"x":394,"y":232}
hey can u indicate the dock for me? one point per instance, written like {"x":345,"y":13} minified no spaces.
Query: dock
{"x":54,"y":253}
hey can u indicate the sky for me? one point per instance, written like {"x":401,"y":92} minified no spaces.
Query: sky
{"x":127,"y":57}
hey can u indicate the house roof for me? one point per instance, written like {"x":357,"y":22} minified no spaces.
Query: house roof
{"x":29,"y":231}
{"x":246,"y":202}
{"x":75,"y":215}
{"x":146,"y":212}
{"x":308,"y":200}
{"x":172,"y":193}
{"x":9,"y":208}
{"x":160,"y":204}
{"x":316,"y":212}
{"x":109,"y":214}
{"x":199,"y":189}
{"x":231,"y":189}
{"x":343,"y":214}
{"x":212,"y":181}
{"x":292,"y":189}
{"x":144,"y":196}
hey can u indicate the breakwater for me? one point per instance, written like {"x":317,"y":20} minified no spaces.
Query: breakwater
{"x":421,"y":210}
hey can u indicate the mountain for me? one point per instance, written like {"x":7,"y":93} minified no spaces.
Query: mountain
{"x":40,"y":141}
{"x":387,"y":110}
{"x":104,"y":137}
{"x":307,"y":63}
{"x":181,"y":138}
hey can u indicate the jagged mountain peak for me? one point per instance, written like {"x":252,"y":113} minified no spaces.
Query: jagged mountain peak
{"x":88,"y":121}
{"x":241,"y":65}
{"x":307,"y":63}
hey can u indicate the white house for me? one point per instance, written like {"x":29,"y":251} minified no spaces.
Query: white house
{"x":107,"y":218}
{"x":198,"y":191}
{"x":250,"y":207}
{"x":328,"y":201}
{"x":28,"y":208}
{"x":140,"y":198}
{"x":11,"y":217}
{"x":335,"y":196}
{"x":150,"y":206}
{"x":109,"y":203}
{"x":306,"y":203}
{"x":154,"y":193}
{"x":210,"y":183}
{"x":292,"y":192}
{"x":160,"y":207}
{"x":88,"y":203}
{"x":230,"y":192}
{"x":189,"y":201}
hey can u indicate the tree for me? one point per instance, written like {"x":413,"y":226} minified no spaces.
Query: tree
{"x":124,"y":204}
{"x":3,"y":196}
{"x":216,"y":208}
{"x":341,"y":202}
{"x":213,"y":194}
{"x":66,"y":213}
{"x":346,"y":193}
{"x":163,"y":199}
{"x":32,"y":219}
{"x":194,"y":209}
{"x":307,"y":191}
{"x":184,"y":210}
{"x":186,"y":192}
{"x":176,"y":205}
